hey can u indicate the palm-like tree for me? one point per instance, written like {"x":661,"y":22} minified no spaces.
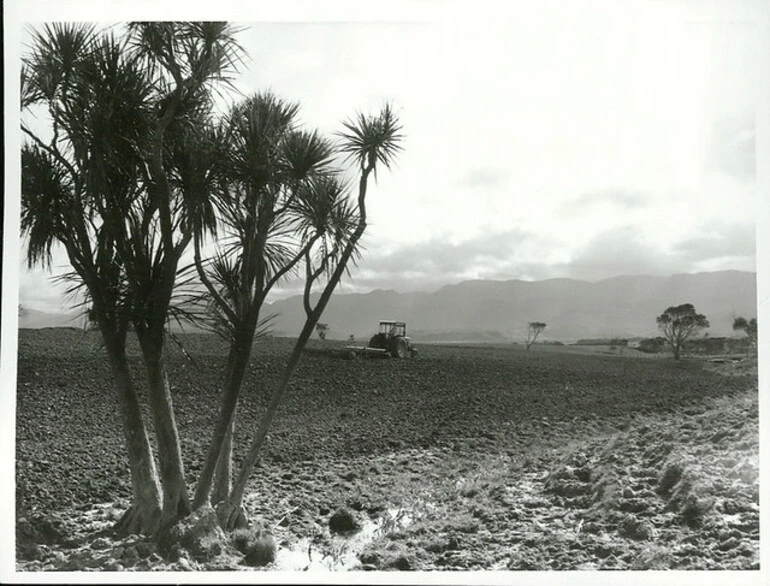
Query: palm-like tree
{"x":187,"y":60}
{"x":135,"y":169}
{"x":266,"y":170}
{"x":368,"y":141}
{"x":123,"y":185}
{"x":68,"y":182}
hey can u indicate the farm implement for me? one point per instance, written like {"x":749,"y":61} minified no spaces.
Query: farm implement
{"x":390,"y":341}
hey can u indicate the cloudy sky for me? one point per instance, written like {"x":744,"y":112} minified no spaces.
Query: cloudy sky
{"x":543,"y":139}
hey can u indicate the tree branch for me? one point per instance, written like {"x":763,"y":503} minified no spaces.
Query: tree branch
{"x":54,"y":152}
{"x":288,"y":267}
{"x":226,"y":309}
{"x":308,"y":284}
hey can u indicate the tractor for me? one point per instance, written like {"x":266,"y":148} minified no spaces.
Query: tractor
{"x":392,"y":339}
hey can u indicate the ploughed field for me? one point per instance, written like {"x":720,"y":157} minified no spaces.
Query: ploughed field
{"x":463,"y":458}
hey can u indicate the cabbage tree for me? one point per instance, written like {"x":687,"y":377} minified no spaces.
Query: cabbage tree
{"x":369,"y":142}
{"x":264,"y":201}
{"x":120,"y":178}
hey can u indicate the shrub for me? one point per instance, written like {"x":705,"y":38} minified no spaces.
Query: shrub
{"x":257,"y":545}
{"x":199,"y":533}
{"x":240,"y":538}
{"x":343,"y":521}
{"x":652,"y":345}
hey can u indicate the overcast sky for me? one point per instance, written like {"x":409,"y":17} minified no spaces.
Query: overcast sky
{"x":570,"y":139}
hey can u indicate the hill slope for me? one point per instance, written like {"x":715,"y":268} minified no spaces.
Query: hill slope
{"x":620,"y":306}
{"x":499,"y":310}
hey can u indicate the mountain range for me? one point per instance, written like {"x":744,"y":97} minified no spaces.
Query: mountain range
{"x":478,"y":310}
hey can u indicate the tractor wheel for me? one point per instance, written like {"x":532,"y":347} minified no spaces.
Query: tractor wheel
{"x":377,"y":341}
{"x":399,"y":348}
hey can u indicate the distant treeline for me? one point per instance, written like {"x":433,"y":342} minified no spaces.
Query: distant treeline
{"x":704,"y":346}
{"x":602,"y":342}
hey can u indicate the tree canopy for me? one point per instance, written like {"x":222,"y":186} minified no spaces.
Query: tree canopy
{"x":749,"y":327}
{"x":679,"y":323}
{"x":534,"y":329}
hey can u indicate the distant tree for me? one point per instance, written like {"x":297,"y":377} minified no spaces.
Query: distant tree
{"x":90,"y":321}
{"x":322,"y":329}
{"x":534,"y":329}
{"x":748,"y":326}
{"x":680,"y":322}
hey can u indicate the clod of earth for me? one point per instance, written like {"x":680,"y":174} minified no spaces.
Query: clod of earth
{"x":634,"y":528}
{"x":670,"y":477}
{"x":344,"y":521}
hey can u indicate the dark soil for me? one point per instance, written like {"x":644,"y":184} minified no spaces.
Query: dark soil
{"x":496,"y":458}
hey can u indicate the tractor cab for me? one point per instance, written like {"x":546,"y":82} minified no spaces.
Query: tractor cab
{"x":393,"y":328}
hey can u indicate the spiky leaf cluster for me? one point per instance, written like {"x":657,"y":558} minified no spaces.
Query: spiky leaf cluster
{"x":125,"y":177}
{"x":370,"y":140}
{"x":278,"y":194}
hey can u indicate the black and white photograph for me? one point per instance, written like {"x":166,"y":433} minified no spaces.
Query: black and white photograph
{"x":422,"y":292}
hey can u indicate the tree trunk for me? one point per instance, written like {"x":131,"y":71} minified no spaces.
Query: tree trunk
{"x":176,"y":502}
{"x":144,"y":513}
{"x":220,"y":448}
{"x":223,"y":476}
{"x":231,"y":511}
